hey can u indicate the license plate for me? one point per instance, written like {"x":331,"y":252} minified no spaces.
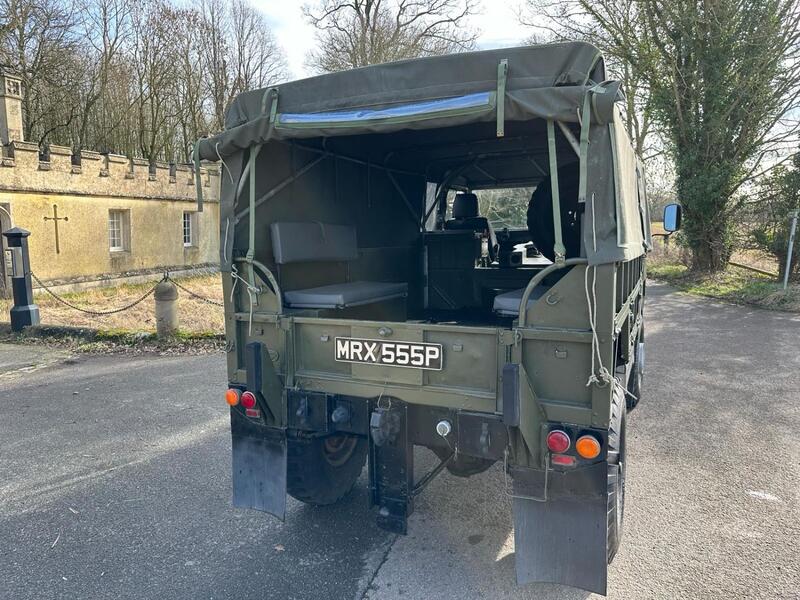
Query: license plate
{"x":394,"y":354}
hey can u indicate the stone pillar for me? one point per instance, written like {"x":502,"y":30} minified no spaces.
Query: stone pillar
{"x":166,"y":296}
{"x":10,"y":107}
{"x":24,"y":313}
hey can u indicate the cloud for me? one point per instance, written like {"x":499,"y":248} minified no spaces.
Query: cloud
{"x":497,"y":23}
{"x":293,"y":33}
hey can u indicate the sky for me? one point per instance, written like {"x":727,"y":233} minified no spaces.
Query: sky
{"x":498,"y":24}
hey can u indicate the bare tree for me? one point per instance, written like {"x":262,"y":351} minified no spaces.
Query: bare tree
{"x":569,"y":20}
{"x":40,"y":44}
{"x":258,"y":60}
{"x":144,"y":78}
{"x":239,"y":52}
{"x":215,"y":51}
{"x":355,"y":33}
{"x":189,"y":87}
{"x":106,"y":26}
{"x":153,"y":54}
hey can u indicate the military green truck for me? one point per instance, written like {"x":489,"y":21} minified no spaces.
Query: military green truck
{"x":371,"y":308}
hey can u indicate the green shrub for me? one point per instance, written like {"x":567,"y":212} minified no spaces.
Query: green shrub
{"x":778,"y":197}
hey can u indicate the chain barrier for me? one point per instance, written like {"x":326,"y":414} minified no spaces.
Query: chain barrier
{"x":192,"y":294}
{"x":203,"y":271}
{"x":145,"y":296}
{"x":96,"y":313}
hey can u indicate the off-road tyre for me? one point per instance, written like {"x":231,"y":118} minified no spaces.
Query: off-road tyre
{"x":323,"y":470}
{"x":637,"y":377}
{"x":616,"y":473}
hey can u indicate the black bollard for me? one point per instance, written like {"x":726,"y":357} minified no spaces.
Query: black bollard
{"x":24,"y":313}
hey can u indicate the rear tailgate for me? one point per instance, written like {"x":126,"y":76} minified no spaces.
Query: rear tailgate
{"x":465,"y":377}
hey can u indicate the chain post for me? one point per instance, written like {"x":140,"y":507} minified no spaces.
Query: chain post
{"x":24,"y":313}
{"x":166,"y":297}
{"x":792,"y":231}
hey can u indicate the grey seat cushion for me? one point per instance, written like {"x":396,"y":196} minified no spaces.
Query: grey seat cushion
{"x":313,"y":242}
{"x":342,"y":295}
{"x":507,"y":304}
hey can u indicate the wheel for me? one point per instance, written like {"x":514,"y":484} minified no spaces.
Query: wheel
{"x":637,"y":378}
{"x":321,"y":470}
{"x":616,"y":474}
{"x":463,"y":466}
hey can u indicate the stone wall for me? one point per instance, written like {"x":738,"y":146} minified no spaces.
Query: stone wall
{"x":85,"y":189}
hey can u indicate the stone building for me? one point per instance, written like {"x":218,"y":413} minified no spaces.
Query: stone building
{"x":96,"y":217}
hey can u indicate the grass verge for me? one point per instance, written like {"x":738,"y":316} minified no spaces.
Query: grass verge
{"x":202,"y":325}
{"x":732,"y":285}
{"x":93,"y":341}
{"x":195,"y":316}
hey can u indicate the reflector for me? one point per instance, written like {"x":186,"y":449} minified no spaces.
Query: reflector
{"x":232,"y":397}
{"x":563,"y":459}
{"x":558,"y":441}
{"x":248,"y":400}
{"x":588,"y":446}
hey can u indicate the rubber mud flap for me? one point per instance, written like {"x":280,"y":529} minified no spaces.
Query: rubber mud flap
{"x":563,"y":540}
{"x":259,"y":473}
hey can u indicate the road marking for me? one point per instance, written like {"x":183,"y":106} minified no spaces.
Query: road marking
{"x":763,"y":496}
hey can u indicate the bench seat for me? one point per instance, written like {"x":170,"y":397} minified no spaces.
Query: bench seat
{"x":508,"y":304}
{"x":345,"y":295}
{"x":322,"y":242}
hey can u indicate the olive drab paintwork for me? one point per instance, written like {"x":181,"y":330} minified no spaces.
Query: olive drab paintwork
{"x":361,"y":306}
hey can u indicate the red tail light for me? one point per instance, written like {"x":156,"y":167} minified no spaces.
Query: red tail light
{"x":557,"y":440}
{"x":563,"y":460}
{"x":248,"y":400}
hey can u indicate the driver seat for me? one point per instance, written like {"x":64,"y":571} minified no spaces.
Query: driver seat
{"x":466,"y":217}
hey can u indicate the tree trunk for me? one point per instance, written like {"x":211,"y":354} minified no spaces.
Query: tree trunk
{"x":708,"y":255}
{"x":704,"y":192}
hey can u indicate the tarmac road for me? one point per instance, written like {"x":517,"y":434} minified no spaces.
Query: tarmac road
{"x":115,"y":484}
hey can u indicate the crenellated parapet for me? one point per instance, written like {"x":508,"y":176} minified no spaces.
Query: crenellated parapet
{"x":58,"y":170}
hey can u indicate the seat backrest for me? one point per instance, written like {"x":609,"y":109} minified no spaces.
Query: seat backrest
{"x":466,"y":214}
{"x":465,"y":206}
{"x":466,"y":217}
{"x":313,"y":242}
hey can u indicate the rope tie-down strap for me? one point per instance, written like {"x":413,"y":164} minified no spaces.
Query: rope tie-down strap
{"x":254,"y":151}
{"x":559,"y":250}
{"x":502,"y":77}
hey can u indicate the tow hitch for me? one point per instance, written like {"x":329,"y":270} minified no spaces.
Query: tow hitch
{"x":391,"y":466}
{"x":395,"y":428}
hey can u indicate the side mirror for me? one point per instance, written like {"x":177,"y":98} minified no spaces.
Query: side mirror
{"x":672,"y":217}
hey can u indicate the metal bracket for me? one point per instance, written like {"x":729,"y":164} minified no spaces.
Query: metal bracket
{"x":516,"y":486}
{"x":511,"y":395}
{"x":262,"y":379}
{"x":509,"y":338}
{"x":391,"y":466}
{"x":485,"y":440}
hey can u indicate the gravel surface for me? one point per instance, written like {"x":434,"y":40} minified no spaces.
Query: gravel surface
{"x":116,"y":484}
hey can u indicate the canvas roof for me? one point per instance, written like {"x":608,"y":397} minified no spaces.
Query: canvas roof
{"x":545,"y":81}
{"x":442,"y":112}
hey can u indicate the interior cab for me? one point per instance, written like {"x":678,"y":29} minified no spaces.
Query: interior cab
{"x":458,"y":245}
